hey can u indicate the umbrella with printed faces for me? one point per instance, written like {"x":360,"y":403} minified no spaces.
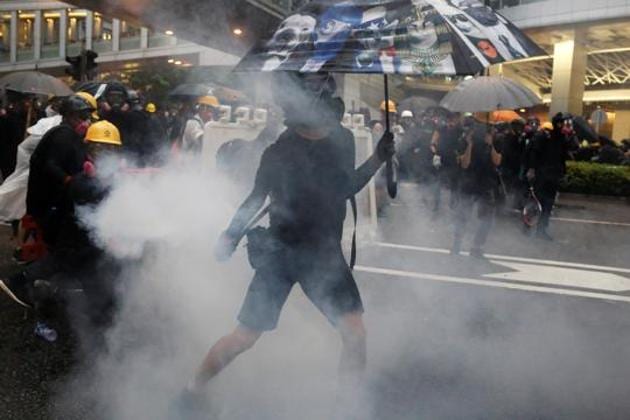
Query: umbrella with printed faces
{"x":407,"y":37}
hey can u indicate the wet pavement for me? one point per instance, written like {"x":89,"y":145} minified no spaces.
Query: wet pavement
{"x":546,"y":325}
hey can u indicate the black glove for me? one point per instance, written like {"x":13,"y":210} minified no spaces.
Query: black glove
{"x":386,"y":148}
{"x":225,"y":247}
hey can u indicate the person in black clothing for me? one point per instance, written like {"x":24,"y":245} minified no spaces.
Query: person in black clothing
{"x":56,"y":159}
{"x":73,"y":256}
{"x":512,"y":149}
{"x":478,"y":164}
{"x":547,"y":165}
{"x":445,"y":144}
{"x":309,"y":174}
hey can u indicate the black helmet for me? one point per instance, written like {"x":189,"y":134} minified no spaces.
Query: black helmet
{"x":74,"y":104}
{"x":560,"y":118}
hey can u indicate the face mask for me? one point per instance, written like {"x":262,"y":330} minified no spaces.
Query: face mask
{"x":81,"y":128}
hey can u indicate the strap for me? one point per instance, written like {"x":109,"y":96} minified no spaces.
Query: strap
{"x":256,"y":219}
{"x":353,"y":251}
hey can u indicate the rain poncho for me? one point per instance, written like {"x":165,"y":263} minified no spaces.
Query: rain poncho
{"x":13,"y":190}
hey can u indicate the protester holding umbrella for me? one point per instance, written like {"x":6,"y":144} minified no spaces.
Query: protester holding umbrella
{"x":309,"y":173}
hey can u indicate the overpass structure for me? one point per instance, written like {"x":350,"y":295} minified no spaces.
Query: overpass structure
{"x":588,"y":42}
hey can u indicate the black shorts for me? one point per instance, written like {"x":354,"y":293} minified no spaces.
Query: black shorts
{"x":321,"y":271}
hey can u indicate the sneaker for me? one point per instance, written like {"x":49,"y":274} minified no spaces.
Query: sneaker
{"x":477,"y":253}
{"x":188,"y":405}
{"x":15,"y":288}
{"x":42,"y":330}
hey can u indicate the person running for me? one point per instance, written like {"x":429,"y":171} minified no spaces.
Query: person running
{"x":308,"y":174}
{"x":73,"y":255}
{"x":478,"y":182}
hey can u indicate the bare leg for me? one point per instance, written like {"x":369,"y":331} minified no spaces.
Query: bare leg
{"x":354,"y":351}
{"x":223,"y":352}
{"x":351,"y":366}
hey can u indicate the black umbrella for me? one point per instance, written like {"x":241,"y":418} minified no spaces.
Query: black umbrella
{"x":190,"y":90}
{"x":429,"y":37}
{"x":35,"y":83}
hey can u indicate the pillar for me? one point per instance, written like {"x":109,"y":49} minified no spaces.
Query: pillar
{"x":621,"y":128}
{"x":37,"y":35}
{"x":569,"y":72}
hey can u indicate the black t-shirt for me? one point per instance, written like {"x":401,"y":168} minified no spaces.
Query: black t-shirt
{"x":549,"y":154}
{"x":449,"y":144}
{"x":481,"y":175}
{"x":308,"y":182}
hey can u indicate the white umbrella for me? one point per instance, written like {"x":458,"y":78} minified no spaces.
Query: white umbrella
{"x":489,"y":93}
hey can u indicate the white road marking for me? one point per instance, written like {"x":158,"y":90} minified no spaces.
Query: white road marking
{"x":590,"y":222}
{"x":510,"y":258}
{"x":561,"y":276}
{"x":492,"y":283}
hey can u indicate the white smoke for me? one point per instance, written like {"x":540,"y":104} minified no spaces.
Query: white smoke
{"x":176,"y":301}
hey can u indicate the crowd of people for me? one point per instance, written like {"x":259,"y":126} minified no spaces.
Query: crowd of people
{"x":308,"y":174}
{"x":504,"y":165}
{"x":55,"y":169}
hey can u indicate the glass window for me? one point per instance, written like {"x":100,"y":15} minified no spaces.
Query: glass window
{"x":75,"y":39}
{"x":51,"y":30}
{"x":5,"y":38}
{"x":129,"y":36}
{"x":161,"y":39}
{"x":102,"y":34}
{"x":25,"y":36}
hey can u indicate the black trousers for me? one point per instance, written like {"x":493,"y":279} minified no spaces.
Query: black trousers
{"x":546,"y":190}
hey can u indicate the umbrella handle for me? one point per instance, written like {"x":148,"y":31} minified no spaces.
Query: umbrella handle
{"x":390,"y":170}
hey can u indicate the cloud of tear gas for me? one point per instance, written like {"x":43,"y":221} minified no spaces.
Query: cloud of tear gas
{"x":176,"y":301}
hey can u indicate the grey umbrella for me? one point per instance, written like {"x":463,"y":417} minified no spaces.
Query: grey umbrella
{"x":36,"y":83}
{"x":192,"y":90}
{"x":489,"y":93}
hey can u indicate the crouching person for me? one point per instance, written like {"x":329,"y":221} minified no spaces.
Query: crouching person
{"x":73,"y":257}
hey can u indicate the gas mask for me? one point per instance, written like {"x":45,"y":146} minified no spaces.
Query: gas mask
{"x":567,"y":128}
{"x":308,"y":102}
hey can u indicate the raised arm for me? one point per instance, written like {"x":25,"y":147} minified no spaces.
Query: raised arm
{"x":385,"y":149}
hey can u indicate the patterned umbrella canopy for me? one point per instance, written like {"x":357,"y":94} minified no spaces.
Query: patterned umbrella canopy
{"x":420,"y":37}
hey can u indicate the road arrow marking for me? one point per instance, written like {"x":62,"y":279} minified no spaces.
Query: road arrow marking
{"x":561,"y":276}
{"x":491,"y":283}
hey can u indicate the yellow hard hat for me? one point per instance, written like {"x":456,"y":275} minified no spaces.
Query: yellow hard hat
{"x":90,"y":100}
{"x":103,"y":132}
{"x":547,"y":126}
{"x":151,"y":107}
{"x":391,"y":105}
{"x":208,"y":100}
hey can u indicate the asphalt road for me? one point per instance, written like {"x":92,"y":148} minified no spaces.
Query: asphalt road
{"x":539,"y":330}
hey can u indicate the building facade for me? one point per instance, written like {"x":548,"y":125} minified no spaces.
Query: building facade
{"x":36,"y":34}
